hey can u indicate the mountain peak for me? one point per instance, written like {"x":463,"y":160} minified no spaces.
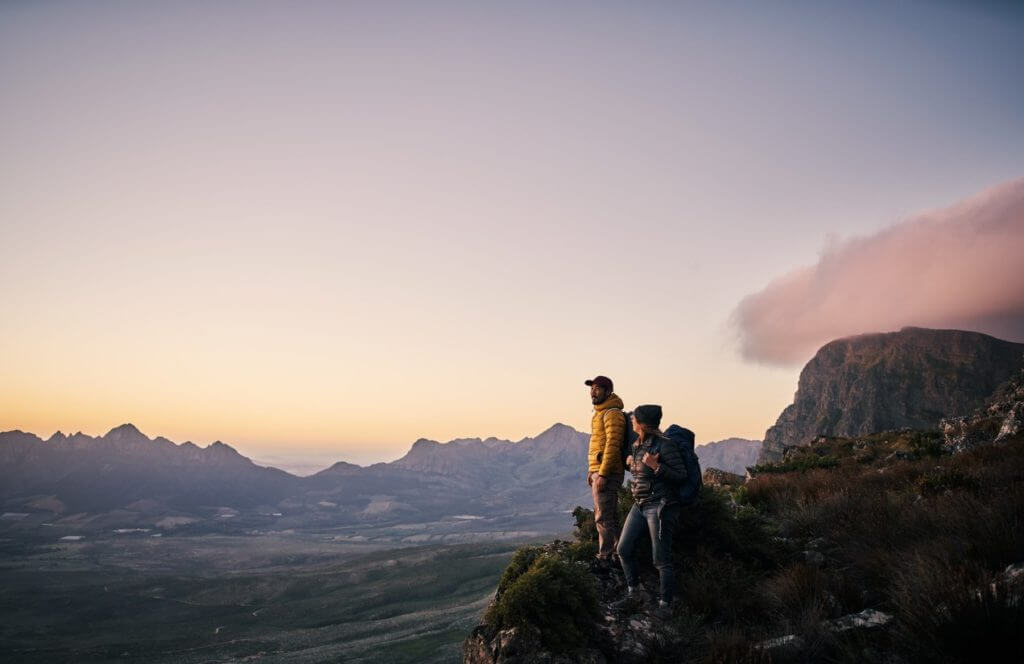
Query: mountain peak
{"x":557,"y":427}
{"x":125,"y":431}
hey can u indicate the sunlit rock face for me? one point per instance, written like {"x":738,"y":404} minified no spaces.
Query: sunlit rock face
{"x":876,"y":382}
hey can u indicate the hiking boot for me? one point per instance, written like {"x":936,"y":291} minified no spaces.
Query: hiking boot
{"x":633,"y":601}
{"x":602,"y":566}
{"x":663,"y":611}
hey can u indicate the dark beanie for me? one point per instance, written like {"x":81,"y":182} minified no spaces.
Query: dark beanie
{"x":648,"y":414}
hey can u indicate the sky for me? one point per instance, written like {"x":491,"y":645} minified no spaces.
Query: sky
{"x":321,"y":231}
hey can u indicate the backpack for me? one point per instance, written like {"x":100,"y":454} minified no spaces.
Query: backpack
{"x":626,"y":444}
{"x":684,"y":439}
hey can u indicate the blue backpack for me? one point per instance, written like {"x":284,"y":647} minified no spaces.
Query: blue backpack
{"x":690,"y":488}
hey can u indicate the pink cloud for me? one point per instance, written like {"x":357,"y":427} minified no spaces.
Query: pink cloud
{"x":961,"y":267}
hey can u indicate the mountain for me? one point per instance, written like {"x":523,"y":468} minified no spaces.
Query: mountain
{"x":876,"y":382}
{"x":124,"y":466}
{"x":731,"y":454}
{"x":139,"y":481}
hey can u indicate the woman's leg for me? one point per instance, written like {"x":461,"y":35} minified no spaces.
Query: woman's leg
{"x":632,"y":529}
{"x":662,"y":531}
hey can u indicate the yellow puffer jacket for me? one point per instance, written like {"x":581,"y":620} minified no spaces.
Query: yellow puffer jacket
{"x":607,"y":429}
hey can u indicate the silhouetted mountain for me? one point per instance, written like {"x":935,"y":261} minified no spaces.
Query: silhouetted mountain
{"x":732,"y":454}
{"x":145,"y":478}
{"x":876,"y":382}
{"x":124,"y":466}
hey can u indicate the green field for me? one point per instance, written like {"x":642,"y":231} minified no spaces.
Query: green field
{"x":299,"y":598}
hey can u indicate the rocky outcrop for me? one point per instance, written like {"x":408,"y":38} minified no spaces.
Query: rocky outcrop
{"x":715,"y":477}
{"x":1002,"y":418}
{"x":633,"y":636}
{"x":878,"y":382}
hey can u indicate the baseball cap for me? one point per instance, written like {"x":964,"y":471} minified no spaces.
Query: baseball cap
{"x":600,"y":381}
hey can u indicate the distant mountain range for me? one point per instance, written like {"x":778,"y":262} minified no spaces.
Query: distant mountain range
{"x":132,"y":479}
{"x":877,"y":382}
{"x":125,"y":478}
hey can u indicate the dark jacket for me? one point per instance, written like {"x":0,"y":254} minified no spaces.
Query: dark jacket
{"x":649,"y":486}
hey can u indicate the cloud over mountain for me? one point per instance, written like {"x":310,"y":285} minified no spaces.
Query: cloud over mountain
{"x":959,"y":267}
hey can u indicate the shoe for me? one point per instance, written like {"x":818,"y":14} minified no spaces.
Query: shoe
{"x":663,"y":611}
{"x":602,"y":566}
{"x":633,"y":601}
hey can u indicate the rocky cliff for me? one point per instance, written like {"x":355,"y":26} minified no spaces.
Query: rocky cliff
{"x":876,"y":382}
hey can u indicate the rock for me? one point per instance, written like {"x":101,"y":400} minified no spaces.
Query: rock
{"x":877,"y":382}
{"x":721,"y":478}
{"x":814,"y":558}
{"x":867,"y":618}
{"x":1013,"y":423}
{"x":789,"y":641}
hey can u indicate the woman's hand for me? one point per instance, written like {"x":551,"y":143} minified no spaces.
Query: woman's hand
{"x":629,"y":460}
{"x":652,"y":461}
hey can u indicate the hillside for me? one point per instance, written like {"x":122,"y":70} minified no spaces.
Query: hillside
{"x":894,"y":547}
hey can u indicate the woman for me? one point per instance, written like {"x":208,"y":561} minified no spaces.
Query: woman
{"x":657,"y":468}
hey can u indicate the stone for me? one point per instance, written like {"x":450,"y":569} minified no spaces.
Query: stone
{"x":867,"y":618}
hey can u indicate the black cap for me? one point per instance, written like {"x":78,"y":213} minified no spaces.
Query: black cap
{"x":649,"y":414}
{"x":600,"y":381}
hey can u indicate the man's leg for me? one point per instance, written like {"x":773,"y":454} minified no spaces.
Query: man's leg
{"x":606,"y":515}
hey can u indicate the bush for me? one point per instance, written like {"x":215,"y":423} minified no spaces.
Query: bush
{"x":799,"y":463}
{"x":949,"y":611}
{"x":585,"y":531}
{"x":555,"y":596}
{"x":944,"y":480}
{"x":520,"y":563}
{"x":926,"y":444}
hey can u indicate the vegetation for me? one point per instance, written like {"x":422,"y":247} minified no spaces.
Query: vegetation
{"x":556,"y":595}
{"x":886,"y":522}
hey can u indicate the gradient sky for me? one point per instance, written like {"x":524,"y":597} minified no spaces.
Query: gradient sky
{"x":324,"y":230}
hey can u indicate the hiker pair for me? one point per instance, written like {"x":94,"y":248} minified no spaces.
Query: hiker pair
{"x":665,"y":478}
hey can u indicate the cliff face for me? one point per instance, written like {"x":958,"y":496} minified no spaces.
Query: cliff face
{"x":876,"y":382}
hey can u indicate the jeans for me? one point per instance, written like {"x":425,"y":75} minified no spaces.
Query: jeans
{"x":640,"y":521}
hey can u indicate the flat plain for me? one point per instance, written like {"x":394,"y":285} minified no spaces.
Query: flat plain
{"x":405,"y":593}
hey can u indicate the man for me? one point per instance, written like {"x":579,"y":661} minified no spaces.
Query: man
{"x":658,"y":468}
{"x":605,"y":471}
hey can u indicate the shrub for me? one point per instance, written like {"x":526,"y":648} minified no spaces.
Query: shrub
{"x":952,"y":611}
{"x":943,"y":480}
{"x":800,"y":463}
{"x":585,"y":530}
{"x":582,"y":551}
{"x":521,"y":561}
{"x":926,"y":444}
{"x":555,"y":596}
